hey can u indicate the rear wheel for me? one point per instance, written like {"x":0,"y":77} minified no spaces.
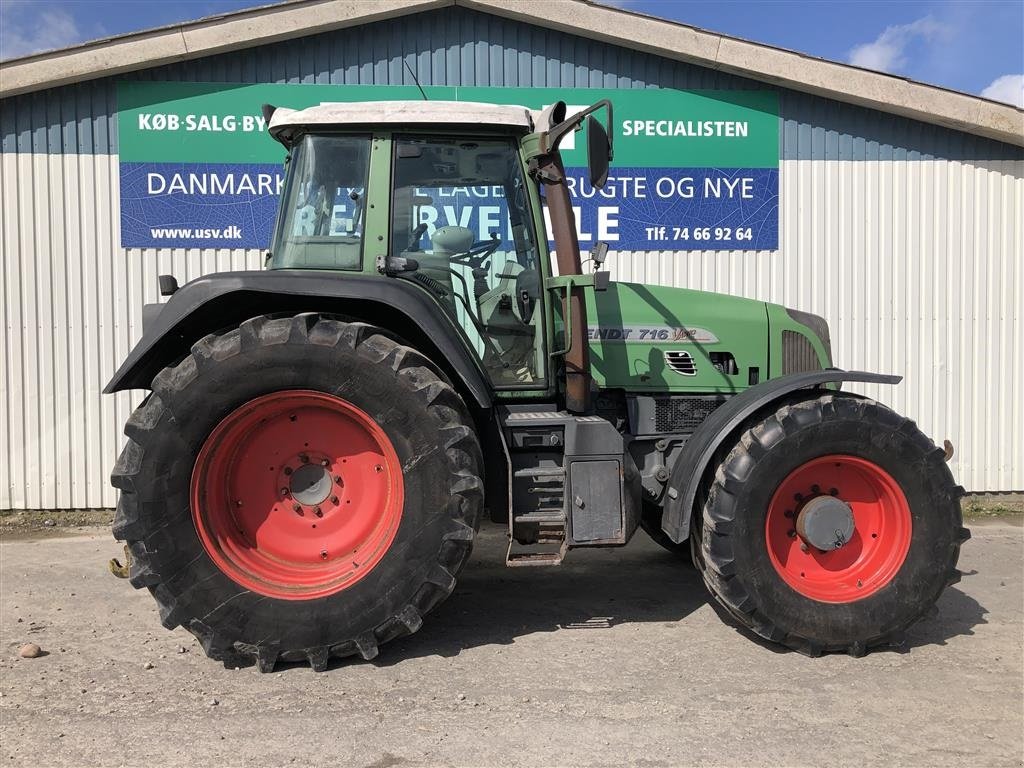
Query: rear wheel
{"x":298,"y":488}
{"x":832,"y":525}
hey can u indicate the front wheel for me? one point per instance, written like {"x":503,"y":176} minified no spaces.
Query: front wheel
{"x":298,"y":488}
{"x":832,"y":525}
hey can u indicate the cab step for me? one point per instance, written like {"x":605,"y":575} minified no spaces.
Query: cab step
{"x":525,"y":559}
{"x":550,"y":516}
{"x":568,"y":484}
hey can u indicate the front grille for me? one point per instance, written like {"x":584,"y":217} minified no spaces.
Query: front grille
{"x":681,"y":362}
{"x":683,"y":414}
{"x":797,"y":354}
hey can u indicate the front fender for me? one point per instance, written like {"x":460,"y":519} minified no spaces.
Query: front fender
{"x":695,"y":457}
{"x":214,"y":302}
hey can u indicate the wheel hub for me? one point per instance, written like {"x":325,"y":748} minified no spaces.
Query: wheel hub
{"x":838,"y":528}
{"x":825,"y":522}
{"x":297,"y":494}
{"x":310,"y":484}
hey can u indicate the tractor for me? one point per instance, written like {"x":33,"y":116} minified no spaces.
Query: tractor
{"x":322,"y":437}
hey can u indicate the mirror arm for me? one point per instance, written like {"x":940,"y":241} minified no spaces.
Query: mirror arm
{"x":558,"y":132}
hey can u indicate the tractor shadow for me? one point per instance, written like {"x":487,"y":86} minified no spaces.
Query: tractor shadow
{"x":599,"y":589}
{"x":957,"y":614}
{"x":593,"y":589}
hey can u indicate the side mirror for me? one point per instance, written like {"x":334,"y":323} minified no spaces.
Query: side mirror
{"x":599,"y":151}
{"x":598,"y":254}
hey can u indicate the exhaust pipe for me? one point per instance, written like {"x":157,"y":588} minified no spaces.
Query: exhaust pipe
{"x":567,"y":253}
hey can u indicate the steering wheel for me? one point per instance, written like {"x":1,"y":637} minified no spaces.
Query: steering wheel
{"x":414,"y":237}
{"x":478,"y":252}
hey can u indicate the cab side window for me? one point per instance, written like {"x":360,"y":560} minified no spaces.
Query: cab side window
{"x":323,"y":209}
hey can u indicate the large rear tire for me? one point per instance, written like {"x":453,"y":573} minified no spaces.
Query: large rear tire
{"x":298,"y":488}
{"x":847,"y":461}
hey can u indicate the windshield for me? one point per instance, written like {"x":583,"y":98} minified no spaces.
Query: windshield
{"x":461,"y":212}
{"x":320,"y":225}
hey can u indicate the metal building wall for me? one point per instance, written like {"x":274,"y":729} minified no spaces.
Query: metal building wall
{"x":907,"y":237}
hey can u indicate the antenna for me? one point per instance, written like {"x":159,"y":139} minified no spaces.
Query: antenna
{"x":415,"y":80}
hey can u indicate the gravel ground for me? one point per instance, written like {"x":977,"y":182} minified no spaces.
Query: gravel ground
{"x":616,"y":658}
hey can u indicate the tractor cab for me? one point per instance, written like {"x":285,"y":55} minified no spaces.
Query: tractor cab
{"x":455,"y":211}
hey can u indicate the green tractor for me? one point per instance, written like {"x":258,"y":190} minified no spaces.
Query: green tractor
{"x":322,"y":438}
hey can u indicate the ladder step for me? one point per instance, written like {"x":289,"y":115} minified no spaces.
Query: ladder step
{"x":537,"y":472}
{"x":542,"y":516}
{"x":533,"y":416}
{"x":521,"y":559}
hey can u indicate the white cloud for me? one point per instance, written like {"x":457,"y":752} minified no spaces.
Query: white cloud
{"x":1008,"y":88}
{"x":888,"y":52}
{"x":25,"y":29}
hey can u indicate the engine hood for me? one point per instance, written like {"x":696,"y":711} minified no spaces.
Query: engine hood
{"x":652,"y":338}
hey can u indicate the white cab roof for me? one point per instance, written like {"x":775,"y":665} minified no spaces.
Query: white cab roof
{"x":404,"y":113}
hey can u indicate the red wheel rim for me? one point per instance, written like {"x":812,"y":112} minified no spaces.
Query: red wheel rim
{"x":297,"y":494}
{"x":874,"y":553}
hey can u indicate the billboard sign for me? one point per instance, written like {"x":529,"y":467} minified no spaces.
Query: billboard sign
{"x":693,"y":170}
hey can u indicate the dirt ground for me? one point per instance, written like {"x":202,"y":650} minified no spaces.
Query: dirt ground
{"x":616,"y":658}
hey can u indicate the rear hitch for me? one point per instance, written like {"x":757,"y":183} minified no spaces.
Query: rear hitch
{"x":947,"y":448}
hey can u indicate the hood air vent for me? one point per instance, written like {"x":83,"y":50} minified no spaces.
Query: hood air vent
{"x":681,"y":362}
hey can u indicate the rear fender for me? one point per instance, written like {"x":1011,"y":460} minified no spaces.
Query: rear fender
{"x":694,"y":462}
{"x":215,"y":302}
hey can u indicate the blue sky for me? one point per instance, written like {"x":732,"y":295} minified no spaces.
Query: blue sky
{"x":975,"y":46}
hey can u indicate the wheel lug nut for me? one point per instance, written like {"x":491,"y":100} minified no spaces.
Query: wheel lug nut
{"x":803,"y":546}
{"x":791,"y":533}
{"x":297,"y":508}
{"x":798,"y":496}
{"x":325,"y":463}
{"x":318,"y":512}
{"x":334,"y":499}
{"x":284,"y":491}
{"x":833,"y":492}
{"x":337,"y":478}
{"x":287,"y":470}
{"x":816,"y":489}
{"x":304,"y":458}
{"x":788,"y":513}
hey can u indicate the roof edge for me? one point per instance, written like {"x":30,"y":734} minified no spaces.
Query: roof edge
{"x":667,"y":39}
{"x":247,"y":28}
{"x":776,"y":66}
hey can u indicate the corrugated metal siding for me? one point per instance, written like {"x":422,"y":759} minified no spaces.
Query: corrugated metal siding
{"x":906,"y":236}
{"x":72,"y":309}
{"x":919,"y":269}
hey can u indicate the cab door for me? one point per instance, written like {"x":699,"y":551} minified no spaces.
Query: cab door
{"x":462,"y":212}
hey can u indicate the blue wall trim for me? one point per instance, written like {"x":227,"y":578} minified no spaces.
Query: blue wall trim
{"x":456,"y":46}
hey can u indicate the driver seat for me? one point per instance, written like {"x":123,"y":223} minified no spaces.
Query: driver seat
{"x":436,"y":265}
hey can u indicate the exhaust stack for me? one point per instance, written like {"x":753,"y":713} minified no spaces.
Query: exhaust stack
{"x":550,"y":172}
